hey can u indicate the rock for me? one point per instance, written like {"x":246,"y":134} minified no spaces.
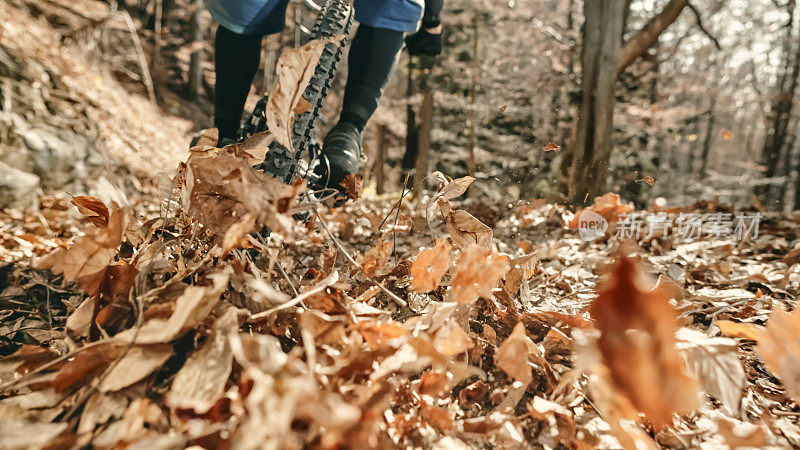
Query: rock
{"x":18,"y":189}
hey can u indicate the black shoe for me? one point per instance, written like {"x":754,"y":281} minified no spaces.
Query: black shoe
{"x":341,"y":155}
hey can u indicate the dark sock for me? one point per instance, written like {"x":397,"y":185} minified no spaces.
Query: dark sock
{"x":369,"y":65}
{"x":236,"y":61}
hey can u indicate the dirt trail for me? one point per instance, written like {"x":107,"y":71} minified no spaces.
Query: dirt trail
{"x":66,"y":123}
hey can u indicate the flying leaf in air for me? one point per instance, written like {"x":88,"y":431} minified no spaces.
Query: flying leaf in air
{"x":551,"y":147}
{"x":429,"y":267}
{"x":779,"y":347}
{"x":637,"y":343}
{"x":478,"y":271}
{"x":93,"y":209}
{"x":466,"y":230}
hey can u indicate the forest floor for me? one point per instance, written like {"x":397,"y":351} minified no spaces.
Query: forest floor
{"x":148,"y":316}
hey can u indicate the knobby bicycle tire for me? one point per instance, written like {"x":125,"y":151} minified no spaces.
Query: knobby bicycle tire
{"x":334,"y":19}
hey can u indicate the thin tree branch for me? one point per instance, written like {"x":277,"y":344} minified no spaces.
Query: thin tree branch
{"x":703,"y":28}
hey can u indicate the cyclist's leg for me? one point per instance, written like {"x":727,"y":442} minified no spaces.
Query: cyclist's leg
{"x":377,"y":42}
{"x":237,"y":46}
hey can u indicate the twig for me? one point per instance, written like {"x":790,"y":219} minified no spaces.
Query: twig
{"x":148,"y":81}
{"x":397,"y":216}
{"x":324,"y":284}
{"x":392,"y":295}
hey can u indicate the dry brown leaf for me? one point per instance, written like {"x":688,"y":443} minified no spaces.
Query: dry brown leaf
{"x":434,"y":383}
{"x":477,"y":272}
{"x":352,"y":186}
{"x":19,"y":433}
{"x":502,"y":109}
{"x":451,"y":340}
{"x":551,"y":147}
{"x":221,"y":190}
{"x":637,"y":343}
{"x":294,"y":70}
{"x":608,"y":206}
{"x":139,"y":362}
{"x":375,"y":259}
{"x":90,"y":253}
{"x":93,"y":209}
{"x":715,"y":363}
{"x":618,"y":412}
{"x":466,"y":230}
{"x":649,"y":180}
{"x":375,"y":333}
{"x":85,"y":365}
{"x":740,"y":330}
{"x":512,"y":356}
{"x":254,"y":149}
{"x":669,"y":288}
{"x":201,"y":380}
{"x":792,"y":257}
{"x":429,"y":267}
{"x":191,"y":308}
{"x":779,"y":347}
{"x":236,"y":236}
{"x":208,"y":138}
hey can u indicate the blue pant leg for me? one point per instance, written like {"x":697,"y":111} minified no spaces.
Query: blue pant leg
{"x":249,"y":16}
{"x":397,"y":15}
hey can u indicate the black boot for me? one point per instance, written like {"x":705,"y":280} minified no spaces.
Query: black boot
{"x":342,"y":155}
{"x":372,"y":56}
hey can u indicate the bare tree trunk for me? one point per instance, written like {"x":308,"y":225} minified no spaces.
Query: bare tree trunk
{"x":412,"y":133}
{"x":156,"y":67}
{"x":593,"y":143}
{"x":781,"y":106}
{"x":708,"y":138}
{"x":472,"y":101}
{"x":425,"y":126}
{"x":645,"y":38}
{"x":197,"y":42}
{"x":380,"y":160}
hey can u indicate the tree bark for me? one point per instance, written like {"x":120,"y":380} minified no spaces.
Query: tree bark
{"x":645,"y":38}
{"x":593,"y":142}
{"x":196,"y":58}
{"x":781,"y":107}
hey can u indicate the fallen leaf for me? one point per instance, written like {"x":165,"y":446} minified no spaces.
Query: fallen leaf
{"x":477,"y":273}
{"x":208,"y":138}
{"x":19,"y":433}
{"x":668,"y":287}
{"x":90,"y":253}
{"x":551,"y":147}
{"x":466,"y":230}
{"x":293,"y":72}
{"x":502,"y":109}
{"x":512,"y":356}
{"x":740,"y":330}
{"x":93,"y":209}
{"x":201,"y":380}
{"x":138,"y":363}
{"x":236,"y":236}
{"x":649,"y":180}
{"x":429,"y":267}
{"x":375,"y":259}
{"x":221,"y":190}
{"x":376,"y":333}
{"x":451,"y":340}
{"x":727,"y":135}
{"x":715,"y":363}
{"x":352,"y":186}
{"x":637,"y":343}
{"x":779,"y":347}
{"x":608,"y":206}
{"x":86,"y":365}
{"x":191,"y":308}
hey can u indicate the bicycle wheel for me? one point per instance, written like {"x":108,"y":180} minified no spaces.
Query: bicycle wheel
{"x":334,"y":19}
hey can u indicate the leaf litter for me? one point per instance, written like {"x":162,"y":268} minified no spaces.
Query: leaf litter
{"x":163,"y":329}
